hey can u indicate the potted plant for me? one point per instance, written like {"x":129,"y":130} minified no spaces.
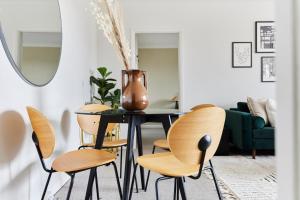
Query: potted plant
{"x":106,"y":88}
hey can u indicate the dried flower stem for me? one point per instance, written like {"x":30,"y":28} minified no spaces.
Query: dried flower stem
{"x":117,"y":35}
{"x":108,"y":17}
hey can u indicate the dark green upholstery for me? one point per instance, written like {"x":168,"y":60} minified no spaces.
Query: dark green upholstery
{"x":242,"y":106}
{"x":258,"y":122}
{"x":248,"y":132}
{"x":264,"y":133}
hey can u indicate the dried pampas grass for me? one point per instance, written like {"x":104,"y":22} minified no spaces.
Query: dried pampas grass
{"x":108,"y":16}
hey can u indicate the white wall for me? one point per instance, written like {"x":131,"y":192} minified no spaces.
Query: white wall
{"x":207,"y":29}
{"x":21,"y":174}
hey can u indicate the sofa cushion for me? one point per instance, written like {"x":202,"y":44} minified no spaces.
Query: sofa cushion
{"x":258,"y":108}
{"x":258,"y":122}
{"x":264,"y":133}
{"x":271,"y":111}
{"x":242,"y":106}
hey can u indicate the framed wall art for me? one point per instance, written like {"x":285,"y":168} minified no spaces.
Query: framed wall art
{"x":265,"y":37}
{"x":241,"y":54}
{"x":268,"y":69}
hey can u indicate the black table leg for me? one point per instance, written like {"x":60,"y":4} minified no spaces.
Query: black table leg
{"x":140,"y":152}
{"x":99,"y":141}
{"x":132,"y":122}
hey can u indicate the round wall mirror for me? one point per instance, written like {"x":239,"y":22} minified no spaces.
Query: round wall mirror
{"x":30,"y":32}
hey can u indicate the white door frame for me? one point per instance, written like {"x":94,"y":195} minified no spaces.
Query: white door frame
{"x":180,"y":57}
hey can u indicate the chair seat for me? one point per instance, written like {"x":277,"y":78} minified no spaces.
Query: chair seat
{"x":161,"y":143}
{"x":115,"y":143}
{"x":81,"y":160}
{"x":167,"y":164}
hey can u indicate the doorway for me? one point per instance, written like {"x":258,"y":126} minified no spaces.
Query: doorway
{"x":158,"y":55}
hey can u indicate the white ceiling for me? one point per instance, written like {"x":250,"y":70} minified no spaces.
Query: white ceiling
{"x":157,"y":40}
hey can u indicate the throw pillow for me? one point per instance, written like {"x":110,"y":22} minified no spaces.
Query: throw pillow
{"x":258,"y":108}
{"x":271,"y":111}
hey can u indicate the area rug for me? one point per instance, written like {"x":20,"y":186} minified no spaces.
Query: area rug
{"x":239,"y":177}
{"x":244,"y":178}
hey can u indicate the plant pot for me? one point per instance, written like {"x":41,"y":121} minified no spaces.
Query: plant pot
{"x":134,"y":90}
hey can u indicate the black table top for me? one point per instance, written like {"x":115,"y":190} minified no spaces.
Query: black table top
{"x":149,"y":111}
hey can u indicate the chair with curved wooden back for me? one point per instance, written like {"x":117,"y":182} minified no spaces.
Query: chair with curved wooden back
{"x":84,"y":122}
{"x":193,"y":140}
{"x":200,"y":106}
{"x":71,"y":162}
{"x":90,"y":123}
{"x":44,"y":132}
{"x":163,"y":143}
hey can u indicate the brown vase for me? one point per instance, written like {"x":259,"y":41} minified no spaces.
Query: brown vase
{"x":134,"y":90}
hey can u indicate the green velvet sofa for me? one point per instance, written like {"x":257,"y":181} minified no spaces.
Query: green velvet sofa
{"x":249,"y":132}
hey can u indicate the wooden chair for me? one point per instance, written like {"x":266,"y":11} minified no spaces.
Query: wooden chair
{"x":163,"y":143}
{"x":71,"y":162}
{"x":90,"y":123}
{"x":83,"y":121}
{"x":193,"y":140}
{"x":200,"y":106}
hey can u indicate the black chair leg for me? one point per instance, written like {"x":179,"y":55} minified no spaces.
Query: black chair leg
{"x":83,"y":147}
{"x":136,"y":182}
{"x":156,"y":188}
{"x":97,"y":185}
{"x":71,"y":186}
{"x":46,"y":186}
{"x":80,"y":147}
{"x":156,"y":185}
{"x":215,"y":180}
{"x":121,"y":161}
{"x":181,"y":188}
{"x":148,"y":174}
{"x":133,"y":180}
{"x":117,"y":178}
{"x":175,"y":189}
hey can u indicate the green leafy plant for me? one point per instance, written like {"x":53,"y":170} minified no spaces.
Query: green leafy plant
{"x":106,"y":86}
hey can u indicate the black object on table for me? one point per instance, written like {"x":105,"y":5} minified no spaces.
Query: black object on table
{"x":134,"y":119}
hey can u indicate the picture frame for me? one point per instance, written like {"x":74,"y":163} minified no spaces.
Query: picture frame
{"x":265,"y":37}
{"x":241,"y":54}
{"x":268,"y":69}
